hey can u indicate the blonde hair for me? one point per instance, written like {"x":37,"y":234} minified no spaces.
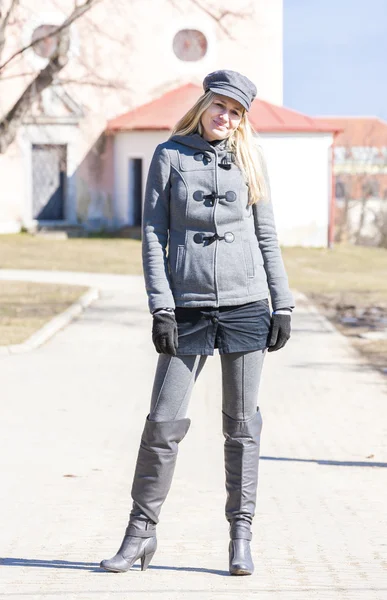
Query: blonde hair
{"x":242,"y":142}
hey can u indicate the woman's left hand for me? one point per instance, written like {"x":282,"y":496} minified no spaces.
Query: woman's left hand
{"x":279,"y":331}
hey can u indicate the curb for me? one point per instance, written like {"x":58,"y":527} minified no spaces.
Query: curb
{"x":53,"y":326}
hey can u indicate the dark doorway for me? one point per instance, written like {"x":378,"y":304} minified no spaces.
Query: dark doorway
{"x":49,"y":168}
{"x":135,"y":191}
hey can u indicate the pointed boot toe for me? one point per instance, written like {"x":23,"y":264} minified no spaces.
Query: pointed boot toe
{"x":117,"y":564}
{"x":241,"y":562}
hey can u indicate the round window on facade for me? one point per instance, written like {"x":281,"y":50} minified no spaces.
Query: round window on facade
{"x":47,"y":46}
{"x":190,"y":45}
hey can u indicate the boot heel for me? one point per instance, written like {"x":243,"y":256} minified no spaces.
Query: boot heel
{"x":145,"y":560}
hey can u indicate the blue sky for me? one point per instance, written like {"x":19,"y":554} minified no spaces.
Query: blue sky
{"x":335,"y":57}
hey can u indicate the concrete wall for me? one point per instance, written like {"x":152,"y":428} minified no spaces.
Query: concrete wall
{"x":299,"y":170}
{"x":11,"y":191}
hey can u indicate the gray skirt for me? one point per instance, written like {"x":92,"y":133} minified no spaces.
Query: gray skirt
{"x":242,"y":328}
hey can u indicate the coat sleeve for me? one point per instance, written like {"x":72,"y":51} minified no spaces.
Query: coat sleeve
{"x":155,"y":231}
{"x":266,"y":233}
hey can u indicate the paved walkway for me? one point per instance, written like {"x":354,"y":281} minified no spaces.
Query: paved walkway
{"x":71,"y":418}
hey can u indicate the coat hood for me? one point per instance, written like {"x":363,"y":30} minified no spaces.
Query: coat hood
{"x":194,"y":140}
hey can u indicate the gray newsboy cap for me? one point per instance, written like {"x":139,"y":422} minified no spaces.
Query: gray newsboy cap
{"x":231,"y":84}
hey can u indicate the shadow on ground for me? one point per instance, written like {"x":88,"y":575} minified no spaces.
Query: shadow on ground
{"x":334,"y":463}
{"x":94,"y":567}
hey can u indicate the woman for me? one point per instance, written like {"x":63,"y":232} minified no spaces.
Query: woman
{"x":207,"y":200}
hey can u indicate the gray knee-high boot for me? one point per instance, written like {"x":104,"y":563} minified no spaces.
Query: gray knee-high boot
{"x":155,"y":466}
{"x":241,"y":458}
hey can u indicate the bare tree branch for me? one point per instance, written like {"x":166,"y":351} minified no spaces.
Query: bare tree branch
{"x":16,"y":75}
{"x":10,"y":124}
{"x":112,"y":37}
{"x":76,"y":14}
{"x":361,"y":194}
{"x":112,"y":85}
{"x":14,"y":118}
{"x":4,"y":24}
{"x":93,"y":77}
{"x":99,"y":82}
{"x":219,"y":18}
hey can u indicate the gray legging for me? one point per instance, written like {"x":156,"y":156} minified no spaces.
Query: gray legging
{"x":166,"y":426}
{"x":176,"y":375}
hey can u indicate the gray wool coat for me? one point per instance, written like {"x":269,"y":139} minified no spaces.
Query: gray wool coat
{"x":202,"y":244}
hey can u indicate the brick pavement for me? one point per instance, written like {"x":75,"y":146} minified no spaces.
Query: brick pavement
{"x":72,"y":415}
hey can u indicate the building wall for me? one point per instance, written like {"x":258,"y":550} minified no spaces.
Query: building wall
{"x":121,"y":56}
{"x":11,"y":191}
{"x":299,"y":176}
{"x":300,"y":180}
{"x":131,"y":144}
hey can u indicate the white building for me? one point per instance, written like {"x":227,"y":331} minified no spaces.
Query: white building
{"x":59,"y":170}
{"x":298,"y":150}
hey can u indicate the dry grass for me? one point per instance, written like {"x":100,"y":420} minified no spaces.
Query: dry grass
{"x":342,"y":270}
{"x":346,"y":276}
{"x":25,"y":307}
{"x":96,"y":255}
{"x":332,"y":278}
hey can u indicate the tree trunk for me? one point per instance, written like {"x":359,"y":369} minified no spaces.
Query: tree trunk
{"x":361,"y":220}
{"x":14,"y":118}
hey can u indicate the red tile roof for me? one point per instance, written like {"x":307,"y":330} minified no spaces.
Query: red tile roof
{"x":164,"y":112}
{"x":358,"y":131}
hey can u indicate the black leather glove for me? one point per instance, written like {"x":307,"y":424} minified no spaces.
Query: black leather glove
{"x":164,"y":333}
{"x":279,"y":332}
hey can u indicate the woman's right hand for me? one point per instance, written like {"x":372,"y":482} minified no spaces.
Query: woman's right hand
{"x":164,"y":332}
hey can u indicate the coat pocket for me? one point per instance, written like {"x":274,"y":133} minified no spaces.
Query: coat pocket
{"x":180,"y":264}
{"x":249,"y":259}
